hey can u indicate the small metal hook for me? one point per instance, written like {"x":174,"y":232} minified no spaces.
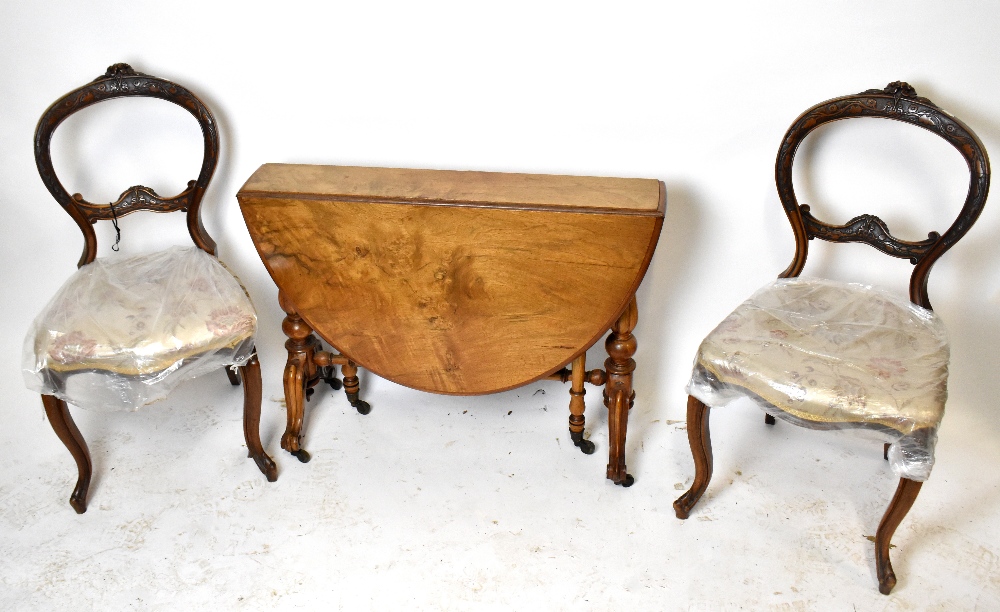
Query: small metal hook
{"x":118,"y":231}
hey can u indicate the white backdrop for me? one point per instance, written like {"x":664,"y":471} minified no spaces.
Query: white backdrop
{"x":695,"y":94}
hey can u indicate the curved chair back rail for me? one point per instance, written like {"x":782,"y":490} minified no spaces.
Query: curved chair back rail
{"x":122,"y":81}
{"x":897,"y":101}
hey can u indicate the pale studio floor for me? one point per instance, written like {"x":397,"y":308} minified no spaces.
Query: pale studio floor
{"x":449,"y":503}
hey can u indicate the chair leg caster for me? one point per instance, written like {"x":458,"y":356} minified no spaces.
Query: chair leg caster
{"x":362,"y":406}
{"x":626,"y":482}
{"x":302,"y":455}
{"x":586,"y":446}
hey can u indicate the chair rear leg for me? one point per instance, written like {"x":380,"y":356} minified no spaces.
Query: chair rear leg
{"x":62,"y":422}
{"x":252,"y":392}
{"x":701,"y":449}
{"x":906,"y":494}
{"x":234,"y":378}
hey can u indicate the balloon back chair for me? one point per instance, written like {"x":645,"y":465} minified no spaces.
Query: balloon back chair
{"x":835,"y":356}
{"x":123,"y":331}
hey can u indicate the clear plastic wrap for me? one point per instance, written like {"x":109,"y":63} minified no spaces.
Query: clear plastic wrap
{"x":829,"y":355}
{"x":123,"y":331}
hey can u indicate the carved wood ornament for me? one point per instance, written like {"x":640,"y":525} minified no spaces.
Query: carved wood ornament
{"x":897,"y":101}
{"x":122,"y":81}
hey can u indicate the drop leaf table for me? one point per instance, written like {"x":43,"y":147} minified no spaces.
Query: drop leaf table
{"x":453,"y":282}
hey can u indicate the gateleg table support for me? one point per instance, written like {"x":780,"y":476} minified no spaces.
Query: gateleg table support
{"x":352,"y":386}
{"x":577,"y":405}
{"x":579,"y":375}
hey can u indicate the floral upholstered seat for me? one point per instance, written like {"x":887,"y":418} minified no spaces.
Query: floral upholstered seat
{"x":831,"y":355}
{"x":123,"y":331}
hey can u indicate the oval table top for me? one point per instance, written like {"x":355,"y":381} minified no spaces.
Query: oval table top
{"x":453,"y":282}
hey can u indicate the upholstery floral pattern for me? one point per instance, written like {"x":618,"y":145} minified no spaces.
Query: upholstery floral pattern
{"x":144,"y":323}
{"x":831,"y":355}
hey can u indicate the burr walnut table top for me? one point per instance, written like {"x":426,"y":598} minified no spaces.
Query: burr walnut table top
{"x":453,"y":282}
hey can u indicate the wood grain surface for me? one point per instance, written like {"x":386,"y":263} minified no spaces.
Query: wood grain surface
{"x":450,"y":299}
{"x":489,"y":189}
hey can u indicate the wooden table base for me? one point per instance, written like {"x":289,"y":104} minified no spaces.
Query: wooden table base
{"x":308,"y":364}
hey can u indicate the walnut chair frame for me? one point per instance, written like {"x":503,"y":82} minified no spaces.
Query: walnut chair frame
{"x":897,"y":101}
{"x":120,"y":81}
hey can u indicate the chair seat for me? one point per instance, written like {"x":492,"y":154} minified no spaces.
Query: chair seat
{"x":831,"y":355}
{"x":145,"y":318}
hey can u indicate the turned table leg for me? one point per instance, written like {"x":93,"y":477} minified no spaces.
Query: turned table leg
{"x":577,"y":405}
{"x":700,"y":440}
{"x":621,"y":345}
{"x":352,"y":387}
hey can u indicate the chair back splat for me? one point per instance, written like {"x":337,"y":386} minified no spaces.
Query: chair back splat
{"x":121,"y":81}
{"x":900,"y":102}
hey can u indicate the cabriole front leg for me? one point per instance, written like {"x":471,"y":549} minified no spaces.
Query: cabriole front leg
{"x":621,"y":346}
{"x":252,"y":391}
{"x":902,"y":501}
{"x":701,"y":450}
{"x":62,"y":422}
